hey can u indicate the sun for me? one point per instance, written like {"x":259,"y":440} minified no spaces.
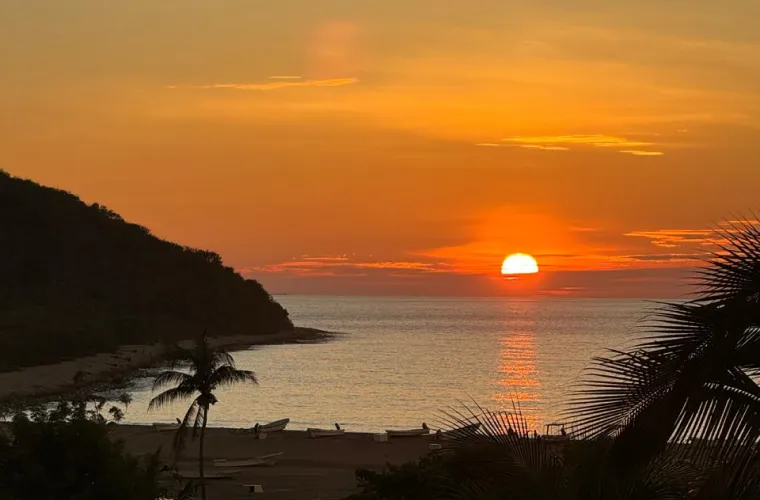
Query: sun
{"x":519,"y":263}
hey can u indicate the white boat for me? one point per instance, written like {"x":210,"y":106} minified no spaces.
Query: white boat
{"x":264,"y":460}
{"x":276,"y":426}
{"x":318,"y":433}
{"x":165,"y":427}
{"x":407,"y":432}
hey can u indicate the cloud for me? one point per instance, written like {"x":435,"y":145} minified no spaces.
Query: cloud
{"x":596,"y":140}
{"x":545,"y":148}
{"x":672,"y":238}
{"x":638,"y":152}
{"x":561,"y":143}
{"x":488,"y":145}
{"x":285,"y":77}
{"x":664,"y":257}
{"x":281,"y":83}
{"x":342,"y":265}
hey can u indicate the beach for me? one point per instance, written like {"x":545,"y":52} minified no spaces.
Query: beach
{"x":309,"y":469}
{"x":106,"y":369}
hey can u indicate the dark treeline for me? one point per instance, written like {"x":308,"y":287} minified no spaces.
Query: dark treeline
{"x":78,"y":279}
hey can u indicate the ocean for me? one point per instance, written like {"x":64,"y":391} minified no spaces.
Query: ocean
{"x":399,"y":362}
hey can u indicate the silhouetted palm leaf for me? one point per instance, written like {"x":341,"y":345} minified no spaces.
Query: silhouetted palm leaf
{"x":734,"y":271}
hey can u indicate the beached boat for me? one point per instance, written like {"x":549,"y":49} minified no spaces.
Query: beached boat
{"x":262,"y":461}
{"x":166,"y":427}
{"x":408,"y":432}
{"x":276,"y":426}
{"x":318,"y":433}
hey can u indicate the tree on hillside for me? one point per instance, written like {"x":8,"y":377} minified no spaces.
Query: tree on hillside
{"x":77,"y":279}
{"x":197,"y":373}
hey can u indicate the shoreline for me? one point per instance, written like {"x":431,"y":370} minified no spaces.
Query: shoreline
{"x":110,"y":371}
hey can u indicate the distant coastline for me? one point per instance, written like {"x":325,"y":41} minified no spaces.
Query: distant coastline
{"x":105,"y":371}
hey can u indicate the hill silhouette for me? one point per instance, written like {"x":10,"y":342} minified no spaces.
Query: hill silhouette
{"x":76,"y":279}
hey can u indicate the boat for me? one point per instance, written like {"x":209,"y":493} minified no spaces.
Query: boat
{"x":276,"y":426}
{"x":217,"y":474}
{"x":264,"y":460}
{"x":407,"y":432}
{"x":318,"y":433}
{"x":555,"y":432}
{"x":166,"y":427}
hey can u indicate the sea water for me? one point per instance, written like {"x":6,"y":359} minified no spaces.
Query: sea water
{"x":398,"y":362}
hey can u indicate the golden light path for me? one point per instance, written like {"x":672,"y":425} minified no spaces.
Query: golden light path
{"x":519,"y":263}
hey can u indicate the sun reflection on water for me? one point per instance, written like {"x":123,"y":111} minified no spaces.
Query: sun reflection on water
{"x":519,"y":384}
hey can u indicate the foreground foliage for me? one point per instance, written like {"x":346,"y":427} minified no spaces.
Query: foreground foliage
{"x":67,"y":453}
{"x":78,"y":279}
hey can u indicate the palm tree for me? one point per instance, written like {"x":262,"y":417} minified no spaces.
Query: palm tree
{"x":197,"y":372}
{"x":693,"y":379}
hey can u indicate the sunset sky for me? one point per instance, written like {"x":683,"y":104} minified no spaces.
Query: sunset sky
{"x":398,"y":147}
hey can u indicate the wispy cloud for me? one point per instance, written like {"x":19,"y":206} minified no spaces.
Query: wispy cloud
{"x":638,"y":152}
{"x":665,"y":257}
{"x":673,"y":238}
{"x":488,"y":145}
{"x":597,"y":140}
{"x":562,"y":143}
{"x":285,"y":77}
{"x":334,"y":265}
{"x":280,"y":83}
{"x":544,"y":148}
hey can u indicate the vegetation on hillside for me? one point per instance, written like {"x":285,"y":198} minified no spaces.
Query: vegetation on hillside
{"x":76,"y":279}
{"x":677,"y":416}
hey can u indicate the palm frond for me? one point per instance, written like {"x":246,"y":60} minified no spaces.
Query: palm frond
{"x":170,"y":377}
{"x":733,"y":272}
{"x":172,"y":395}
{"x":228,"y":375}
{"x":220,"y":357}
{"x":686,"y":379}
{"x":497,"y":455}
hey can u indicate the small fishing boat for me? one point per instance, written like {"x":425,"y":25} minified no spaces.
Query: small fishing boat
{"x":318,"y":433}
{"x":422,"y":431}
{"x":276,"y":426}
{"x":262,"y":461}
{"x":407,"y":432}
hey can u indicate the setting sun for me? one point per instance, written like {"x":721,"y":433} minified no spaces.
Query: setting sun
{"x":519,"y":263}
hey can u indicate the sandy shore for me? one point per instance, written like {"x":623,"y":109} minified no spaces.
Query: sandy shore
{"x":309,"y":469}
{"x":105,"y":368}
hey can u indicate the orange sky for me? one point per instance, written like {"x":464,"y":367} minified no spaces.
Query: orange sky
{"x":398,"y":147}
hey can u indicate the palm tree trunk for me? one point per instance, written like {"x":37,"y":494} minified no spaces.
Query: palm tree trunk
{"x":200,"y":455}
